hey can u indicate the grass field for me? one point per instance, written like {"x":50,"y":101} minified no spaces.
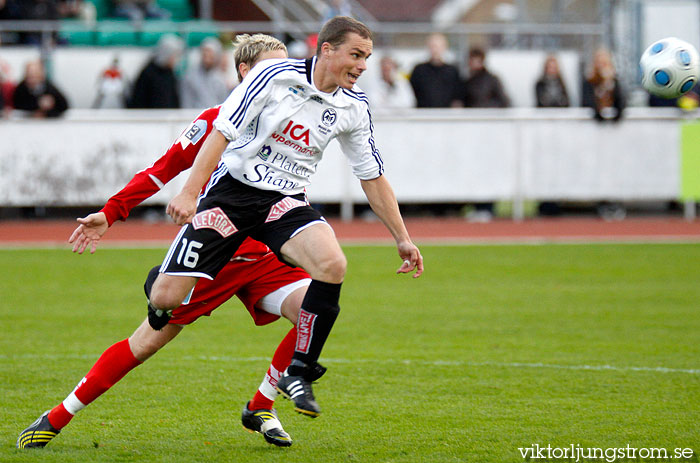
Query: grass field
{"x":495,"y":348}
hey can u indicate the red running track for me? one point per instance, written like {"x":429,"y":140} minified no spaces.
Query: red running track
{"x":47,"y":232}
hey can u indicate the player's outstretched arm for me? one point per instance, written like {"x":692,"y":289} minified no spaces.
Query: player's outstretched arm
{"x":89,"y":232}
{"x":383,"y":202}
{"x":145,"y":183}
{"x":183,"y":206}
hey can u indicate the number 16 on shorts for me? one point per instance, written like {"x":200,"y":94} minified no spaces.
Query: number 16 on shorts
{"x":188,"y":255}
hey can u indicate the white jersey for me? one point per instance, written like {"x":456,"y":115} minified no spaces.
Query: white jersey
{"x":279,"y":124}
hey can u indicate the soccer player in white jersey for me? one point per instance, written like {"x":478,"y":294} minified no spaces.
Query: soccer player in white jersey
{"x":268,"y":138}
{"x":268,"y":288}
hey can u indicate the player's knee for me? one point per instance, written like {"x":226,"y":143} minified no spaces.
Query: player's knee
{"x":168,"y":292}
{"x":162,"y":300}
{"x":332,"y":268}
{"x":164,"y":296}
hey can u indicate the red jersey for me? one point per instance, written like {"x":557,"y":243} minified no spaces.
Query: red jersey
{"x":180,"y":156}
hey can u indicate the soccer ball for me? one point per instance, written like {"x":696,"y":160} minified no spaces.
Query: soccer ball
{"x":669,"y":67}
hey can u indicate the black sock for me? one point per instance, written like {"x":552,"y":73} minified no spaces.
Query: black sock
{"x":316,"y":317}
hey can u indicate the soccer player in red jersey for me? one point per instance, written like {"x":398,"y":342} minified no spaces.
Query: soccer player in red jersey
{"x":268,"y":288}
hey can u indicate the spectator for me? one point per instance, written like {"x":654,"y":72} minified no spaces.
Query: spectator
{"x":435,"y":83}
{"x":112,"y":88}
{"x":37,"y":94}
{"x":7,"y":88}
{"x":205,"y":85}
{"x":392,"y":90}
{"x":550,"y":89}
{"x":69,"y":9}
{"x":40,"y":10}
{"x":482,"y":89}
{"x":550,"y":92}
{"x":157,"y":85}
{"x":7,"y":84}
{"x":602,"y":90}
{"x":603,"y":93}
{"x":138,"y":10}
{"x":9,"y":11}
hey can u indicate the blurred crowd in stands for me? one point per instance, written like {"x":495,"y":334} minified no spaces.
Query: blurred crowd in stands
{"x":48,"y":10}
{"x":165,"y":83}
{"x":436,"y":83}
{"x":168,"y":81}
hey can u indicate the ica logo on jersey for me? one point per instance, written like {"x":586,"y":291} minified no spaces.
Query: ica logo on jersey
{"x":297,"y":137}
{"x":297,"y":132}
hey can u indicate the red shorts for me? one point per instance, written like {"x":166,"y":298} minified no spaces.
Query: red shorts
{"x":249,"y":280}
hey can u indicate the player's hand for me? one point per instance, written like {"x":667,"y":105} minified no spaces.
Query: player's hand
{"x":89,"y":232}
{"x":412,"y":259}
{"x":182,"y":208}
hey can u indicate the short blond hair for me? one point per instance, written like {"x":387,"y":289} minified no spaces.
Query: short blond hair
{"x":248,"y":49}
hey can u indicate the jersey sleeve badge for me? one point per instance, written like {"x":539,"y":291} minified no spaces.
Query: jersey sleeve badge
{"x":194,"y":133}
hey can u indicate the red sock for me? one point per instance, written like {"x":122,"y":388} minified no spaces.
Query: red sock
{"x":59,"y":416}
{"x":112,"y":365}
{"x":260,"y":402}
{"x":280,"y":362}
{"x":283,"y":355}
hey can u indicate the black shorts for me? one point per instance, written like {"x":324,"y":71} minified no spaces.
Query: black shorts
{"x":228,"y":213}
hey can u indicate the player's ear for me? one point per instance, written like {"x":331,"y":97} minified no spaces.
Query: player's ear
{"x":243,"y":69}
{"x":326,"y":48}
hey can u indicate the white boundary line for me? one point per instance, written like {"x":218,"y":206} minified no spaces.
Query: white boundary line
{"x":435,"y":363}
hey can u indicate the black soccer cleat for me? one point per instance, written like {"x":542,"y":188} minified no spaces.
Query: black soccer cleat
{"x":38,"y":434}
{"x":266,"y":423}
{"x":314,"y":372}
{"x":298,"y":389}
